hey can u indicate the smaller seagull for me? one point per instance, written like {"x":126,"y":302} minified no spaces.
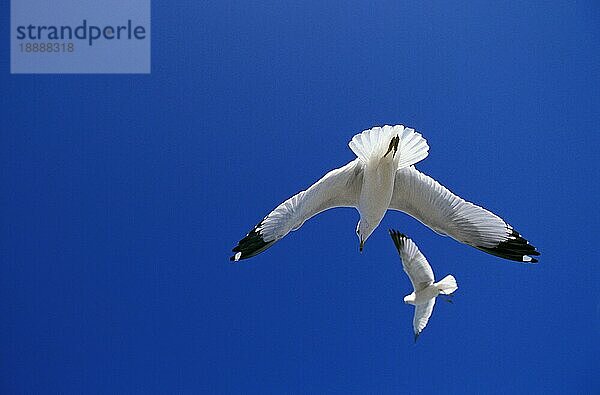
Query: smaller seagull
{"x":420,"y":274}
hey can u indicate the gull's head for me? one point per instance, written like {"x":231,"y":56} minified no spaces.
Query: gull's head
{"x":363,"y":231}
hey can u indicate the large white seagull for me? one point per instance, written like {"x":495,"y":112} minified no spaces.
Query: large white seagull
{"x":383,"y":177}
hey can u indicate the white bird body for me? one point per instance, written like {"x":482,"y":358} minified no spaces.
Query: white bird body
{"x":379,"y":175}
{"x":382,"y":178}
{"x":423,"y":296}
{"x":419,"y":272}
{"x":377,"y":189}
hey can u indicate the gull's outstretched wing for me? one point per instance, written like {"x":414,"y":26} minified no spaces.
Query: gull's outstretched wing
{"x":422,"y":314}
{"x":425,"y":199}
{"x":413,"y":262}
{"x":338,"y":188}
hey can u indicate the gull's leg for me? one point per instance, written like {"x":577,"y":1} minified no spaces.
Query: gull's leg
{"x":448,"y":298}
{"x":393,"y":146}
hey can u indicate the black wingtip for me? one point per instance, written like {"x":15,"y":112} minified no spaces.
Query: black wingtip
{"x":515,"y":248}
{"x":251,"y":245}
{"x":397,"y":238}
{"x":417,"y":336}
{"x":394,"y":232}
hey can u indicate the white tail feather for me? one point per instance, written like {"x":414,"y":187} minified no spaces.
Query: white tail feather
{"x":374,"y":144}
{"x":413,"y":148}
{"x":447,"y":285}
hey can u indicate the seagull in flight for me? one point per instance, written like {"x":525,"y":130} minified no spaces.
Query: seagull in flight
{"x":381,"y":178}
{"x":420,"y":274}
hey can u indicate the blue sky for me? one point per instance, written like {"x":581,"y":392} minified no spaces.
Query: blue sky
{"x":124,"y":194}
